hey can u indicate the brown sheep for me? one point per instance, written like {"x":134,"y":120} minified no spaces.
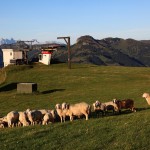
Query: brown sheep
{"x":125,"y":104}
{"x":34,"y":117}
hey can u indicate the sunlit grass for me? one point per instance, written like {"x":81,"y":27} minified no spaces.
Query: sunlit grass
{"x":56,"y":84}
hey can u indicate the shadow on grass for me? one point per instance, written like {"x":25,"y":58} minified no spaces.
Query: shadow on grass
{"x":51,"y":91}
{"x":141,"y":109}
{"x":8,"y":87}
{"x":109,"y":113}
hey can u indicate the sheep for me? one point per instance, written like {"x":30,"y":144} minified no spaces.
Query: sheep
{"x":147,"y":97}
{"x":12,"y":118}
{"x":78,"y":109}
{"x":125,"y":104}
{"x":47,"y":118}
{"x":61,"y":112}
{"x":3,"y":122}
{"x":23,"y":119}
{"x":53,"y":112}
{"x":111,"y":106}
{"x":99,"y":107}
{"x":2,"y":125}
{"x":34,"y":117}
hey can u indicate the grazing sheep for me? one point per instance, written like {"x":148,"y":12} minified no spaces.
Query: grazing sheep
{"x":111,"y":106}
{"x":78,"y":109}
{"x":3,"y":122}
{"x":47,"y":118}
{"x":12,"y":118}
{"x":125,"y":104}
{"x":2,"y":125}
{"x":34,"y":117}
{"x":99,"y":107}
{"x":147,"y":97}
{"x":23,"y":119}
{"x":61,"y":113}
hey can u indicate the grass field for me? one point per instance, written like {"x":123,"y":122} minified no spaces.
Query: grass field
{"x":56,"y":84}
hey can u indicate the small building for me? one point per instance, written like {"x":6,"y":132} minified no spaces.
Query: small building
{"x":45,"y":56}
{"x":12,"y":56}
{"x":47,"y":51}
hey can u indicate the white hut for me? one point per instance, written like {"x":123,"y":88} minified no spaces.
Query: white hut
{"x":45,"y":57}
{"x":11,"y":56}
{"x":46,"y":53}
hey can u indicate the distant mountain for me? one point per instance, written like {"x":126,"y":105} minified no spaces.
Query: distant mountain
{"x":7,"y":41}
{"x":108,"y":51}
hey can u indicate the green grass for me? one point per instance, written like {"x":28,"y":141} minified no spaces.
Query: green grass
{"x":56,"y":84}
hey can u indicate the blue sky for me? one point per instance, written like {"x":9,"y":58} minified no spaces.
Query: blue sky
{"x":45,"y":20}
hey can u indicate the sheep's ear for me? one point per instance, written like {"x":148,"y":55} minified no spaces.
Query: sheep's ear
{"x":67,"y":106}
{"x":114,"y":100}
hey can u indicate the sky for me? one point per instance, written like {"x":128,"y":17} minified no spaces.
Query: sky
{"x":45,"y":20}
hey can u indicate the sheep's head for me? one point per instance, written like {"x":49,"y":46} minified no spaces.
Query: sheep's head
{"x":97,"y":103}
{"x":114,"y":100}
{"x":58,"y":106}
{"x":145,"y":95}
{"x":64,"y":106}
{"x":28,"y":110}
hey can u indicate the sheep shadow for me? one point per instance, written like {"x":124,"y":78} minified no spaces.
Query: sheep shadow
{"x":142,"y":109}
{"x":52,"y":91}
{"x":8,"y":87}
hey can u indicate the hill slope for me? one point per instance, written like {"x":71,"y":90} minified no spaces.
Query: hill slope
{"x":56,"y":84}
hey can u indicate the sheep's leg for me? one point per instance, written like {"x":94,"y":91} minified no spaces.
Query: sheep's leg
{"x":9,"y":123}
{"x":64,"y":118}
{"x":61,"y":118}
{"x":86,"y":116}
{"x":71,"y":118}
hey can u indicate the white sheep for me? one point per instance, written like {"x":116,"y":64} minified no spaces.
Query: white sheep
{"x":147,"y":97}
{"x":78,"y":109}
{"x":111,"y":106}
{"x":23,"y":119}
{"x":3,"y":122}
{"x":61,"y":113}
{"x":2,"y":125}
{"x":99,"y":107}
{"x":47,"y":118}
{"x":12,"y":118}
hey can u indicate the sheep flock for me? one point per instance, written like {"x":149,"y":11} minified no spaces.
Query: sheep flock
{"x":69,"y":111}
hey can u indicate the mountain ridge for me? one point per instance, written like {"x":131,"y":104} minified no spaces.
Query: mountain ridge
{"x":108,"y":51}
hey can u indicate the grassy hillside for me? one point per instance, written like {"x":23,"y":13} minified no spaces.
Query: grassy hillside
{"x":56,"y":84}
